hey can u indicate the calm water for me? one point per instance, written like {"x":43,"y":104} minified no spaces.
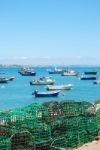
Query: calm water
{"x":18,"y":93}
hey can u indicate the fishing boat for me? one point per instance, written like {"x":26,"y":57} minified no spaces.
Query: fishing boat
{"x":96,"y":82}
{"x":26,"y":72}
{"x":46,"y":94}
{"x":90,"y":72}
{"x":43,"y":81}
{"x":83,"y":77}
{"x":70,"y":73}
{"x":3,"y":80}
{"x":59,"y":87}
{"x":56,"y":71}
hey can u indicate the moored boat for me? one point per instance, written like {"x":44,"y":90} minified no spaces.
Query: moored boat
{"x":88,"y":78}
{"x":56,"y":71}
{"x":59,"y":87}
{"x":46,"y":94}
{"x":90,"y":72}
{"x":26,"y":72}
{"x":43,"y":81}
{"x":70,"y":73}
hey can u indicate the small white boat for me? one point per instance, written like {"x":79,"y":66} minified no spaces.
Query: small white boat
{"x":70,"y":73}
{"x":96,"y":82}
{"x":59,"y":87}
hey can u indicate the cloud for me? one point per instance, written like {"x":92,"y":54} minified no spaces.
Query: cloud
{"x":20,"y":58}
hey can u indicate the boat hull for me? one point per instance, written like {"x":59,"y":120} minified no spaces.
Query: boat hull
{"x":3,"y":80}
{"x":41,"y":83}
{"x":59,"y":87}
{"x":28,"y":74}
{"x":88,"y":78}
{"x":55,"y":72}
{"x":43,"y":94}
{"x":69,"y":73}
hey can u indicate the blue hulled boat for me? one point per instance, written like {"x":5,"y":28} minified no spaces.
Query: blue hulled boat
{"x":88,"y":78}
{"x":46,"y":94}
{"x":89,"y":75}
{"x":26,"y":72}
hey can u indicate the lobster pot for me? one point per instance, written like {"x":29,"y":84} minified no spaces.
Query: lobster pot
{"x":4,"y":119}
{"x":17,"y":118}
{"x":98,"y":121}
{"x":36,"y":111}
{"x":58,"y":127}
{"x":43,"y":145}
{"x":72,"y":123}
{"x":5,"y":144}
{"x":82,"y":137}
{"x":4,"y":132}
{"x":59,"y":144}
{"x":70,"y":108}
{"x":98,"y":116}
{"x":22,"y":141}
{"x":91,"y":127}
{"x":82,"y":121}
{"x":72,"y":139}
{"x":41,"y":132}
{"x":54,"y":110}
{"x":86,"y":109}
{"x":49,"y":126}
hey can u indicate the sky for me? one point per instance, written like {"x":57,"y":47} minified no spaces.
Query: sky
{"x":47,"y":32}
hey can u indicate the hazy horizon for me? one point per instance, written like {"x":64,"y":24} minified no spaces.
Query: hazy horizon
{"x":49,"y":62}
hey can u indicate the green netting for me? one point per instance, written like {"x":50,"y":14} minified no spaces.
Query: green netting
{"x":5,"y":144}
{"x":70,"y":108}
{"x":22,"y":141}
{"x":54,"y":110}
{"x":41,"y":131}
{"x":49,"y":126}
{"x":43,"y":145}
{"x":37,"y":111}
{"x":59,"y":143}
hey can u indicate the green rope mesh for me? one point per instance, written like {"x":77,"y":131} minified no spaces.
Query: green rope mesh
{"x":49,"y":126}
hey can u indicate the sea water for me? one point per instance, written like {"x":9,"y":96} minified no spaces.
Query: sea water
{"x":18,"y":93}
